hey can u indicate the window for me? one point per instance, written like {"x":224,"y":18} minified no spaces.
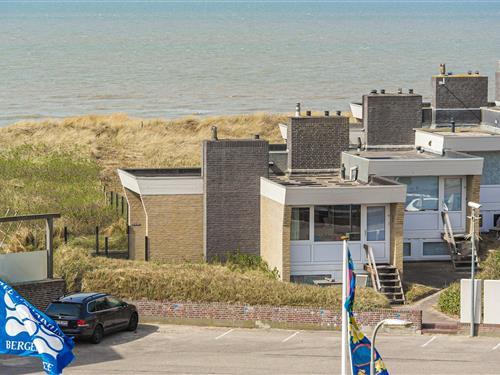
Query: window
{"x":496,"y":220}
{"x":333,"y":222}
{"x":308,"y":279}
{"x":435,"y":248}
{"x":64,"y":309}
{"x":113,"y":302}
{"x":300,"y":224}
{"x":375,"y":223}
{"x":407,"y":249}
{"x":100,"y":304}
{"x":422,"y":193}
{"x":453,"y":194}
{"x":91,"y":306}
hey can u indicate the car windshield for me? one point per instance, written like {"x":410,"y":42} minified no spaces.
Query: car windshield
{"x":64,"y":309}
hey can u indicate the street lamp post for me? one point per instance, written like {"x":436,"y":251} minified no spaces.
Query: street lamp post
{"x":473,"y":219}
{"x":388,"y":323}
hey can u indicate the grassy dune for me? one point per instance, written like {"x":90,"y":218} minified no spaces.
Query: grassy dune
{"x":120,"y":141}
{"x":196,"y":282}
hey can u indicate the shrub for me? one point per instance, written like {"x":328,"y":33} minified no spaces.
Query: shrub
{"x":449,"y":300}
{"x":491,"y":266}
{"x":195,"y":282}
{"x":415,"y":292}
{"x":245,"y":262}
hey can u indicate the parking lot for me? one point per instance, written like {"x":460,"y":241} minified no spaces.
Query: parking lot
{"x":170,"y":349}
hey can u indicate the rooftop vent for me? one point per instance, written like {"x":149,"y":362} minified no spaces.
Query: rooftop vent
{"x":442,"y":69}
{"x":327,"y":113}
{"x":410,"y":91}
{"x":373,"y":91}
{"x":382,"y":91}
{"x":339,"y":113}
{"x":477,"y":72}
{"x":256,"y":136}
{"x":214,"y":133}
{"x":297,"y":110}
{"x":400,"y":91}
{"x":453,"y":128}
{"x":308,"y":113}
{"x":469,"y":72}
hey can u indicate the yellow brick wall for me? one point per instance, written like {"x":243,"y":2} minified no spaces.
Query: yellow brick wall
{"x":137,"y":223}
{"x":472,"y":194}
{"x":397,"y":236}
{"x":175,"y":227}
{"x":275,"y":221}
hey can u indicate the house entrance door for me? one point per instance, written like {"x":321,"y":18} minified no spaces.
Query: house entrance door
{"x":376,"y":234}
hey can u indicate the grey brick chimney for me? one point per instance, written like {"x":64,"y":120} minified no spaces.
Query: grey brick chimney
{"x":231,"y":173}
{"x":389,"y":118}
{"x":316,"y":142}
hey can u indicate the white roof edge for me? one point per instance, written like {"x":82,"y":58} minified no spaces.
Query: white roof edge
{"x":162,"y":185}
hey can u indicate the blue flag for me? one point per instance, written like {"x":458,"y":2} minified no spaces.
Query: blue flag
{"x":25,"y":331}
{"x":359,"y":344}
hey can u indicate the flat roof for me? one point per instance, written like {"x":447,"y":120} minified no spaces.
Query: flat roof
{"x":326,"y":179}
{"x":407,"y":154}
{"x":164,"y":172}
{"x":466,"y":131}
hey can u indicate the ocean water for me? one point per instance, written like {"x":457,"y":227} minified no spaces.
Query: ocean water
{"x":170,"y":59}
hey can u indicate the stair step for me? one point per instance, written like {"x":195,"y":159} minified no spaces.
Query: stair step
{"x":432,"y":331}
{"x":440,"y":325}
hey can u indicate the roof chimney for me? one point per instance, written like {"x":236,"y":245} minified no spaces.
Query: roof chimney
{"x":442,"y":69}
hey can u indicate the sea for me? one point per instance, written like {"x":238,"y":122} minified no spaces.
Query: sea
{"x":177,"y":58}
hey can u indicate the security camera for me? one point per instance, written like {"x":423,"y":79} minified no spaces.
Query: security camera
{"x":474,"y":205}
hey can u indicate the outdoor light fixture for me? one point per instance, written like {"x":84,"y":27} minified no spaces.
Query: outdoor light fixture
{"x":388,"y":323}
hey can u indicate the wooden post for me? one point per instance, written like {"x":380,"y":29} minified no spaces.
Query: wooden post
{"x":111,"y":198}
{"x":106,"y":246}
{"x":123,"y":206}
{"x":49,"y":246}
{"x":116,"y":201}
{"x":146,"y":248}
{"x":65,"y":235}
{"x":128,"y":241}
{"x":97,"y":240}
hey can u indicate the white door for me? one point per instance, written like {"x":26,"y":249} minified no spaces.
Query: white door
{"x":377,"y":235}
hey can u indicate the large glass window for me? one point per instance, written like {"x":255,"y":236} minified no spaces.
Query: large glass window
{"x":333,"y":222}
{"x":453,"y":194}
{"x":407,"y":249}
{"x":422,"y":193}
{"x":300,"y":224}
{"x":375,"y":223}
{"x":435,"y":248}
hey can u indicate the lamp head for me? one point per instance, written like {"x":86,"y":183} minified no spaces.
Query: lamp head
{"x":474,"y":205}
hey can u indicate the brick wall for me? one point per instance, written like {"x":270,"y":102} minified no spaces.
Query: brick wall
{"x":174,"y":227}
{"x":41,"y":293}
{"x":389,"y":119}
{"x":275,"y":236}
{"x":231,"y":173}
{"x":137,"y":222}
{"x":497,"y":83}
{"x":316,"y":142}
{"x":460,"y":91}
{"x":397,"y":235}
{"x":284,"y":315}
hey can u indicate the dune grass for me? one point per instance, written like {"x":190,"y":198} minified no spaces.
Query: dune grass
{"x":198,"y":282}
{"x":117,"y":140}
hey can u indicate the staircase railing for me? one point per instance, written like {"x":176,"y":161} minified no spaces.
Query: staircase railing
{"x":373,"y":267}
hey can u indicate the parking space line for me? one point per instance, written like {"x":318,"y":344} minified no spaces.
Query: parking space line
{"x":496,"y":346}
{"x":428,"y":342}
{"x":291,"y":336}
{"x":224,"y":334}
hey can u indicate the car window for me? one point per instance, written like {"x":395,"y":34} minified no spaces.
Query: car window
{"x":101,"y":304}
{"x":91,"y":306}
{"x":113,"y":301}
{"x":64,"y":309}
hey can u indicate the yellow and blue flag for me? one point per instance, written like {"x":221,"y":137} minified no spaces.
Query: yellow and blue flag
{"x":359,"y":344}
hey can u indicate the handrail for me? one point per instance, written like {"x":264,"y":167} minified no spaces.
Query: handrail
{"x":373,"y":267}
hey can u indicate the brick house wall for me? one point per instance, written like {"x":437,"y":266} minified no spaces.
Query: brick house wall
{"x":174,"y":227}
{"x":397,"y":235}
{"x":137,"y":222}
{"x":316,"y":142}
{"x":389,"y":119}
{"x":41,"y":293}
{"x":275,"y":236}
{"x":288,"y":316}
{"x":459,"y":91}
{"x":231,"y":174}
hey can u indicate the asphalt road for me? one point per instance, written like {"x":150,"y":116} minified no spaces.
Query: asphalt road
{"x":169,"y":349}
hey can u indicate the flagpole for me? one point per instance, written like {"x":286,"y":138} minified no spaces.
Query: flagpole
{"x":344,"y":311}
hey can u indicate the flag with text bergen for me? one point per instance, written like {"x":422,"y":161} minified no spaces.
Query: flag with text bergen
{"x":26,"y":331}
{"x":359,"y":344}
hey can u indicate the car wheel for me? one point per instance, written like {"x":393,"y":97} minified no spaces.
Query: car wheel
{"x":133,"y":322}
{"x":97,"y":335}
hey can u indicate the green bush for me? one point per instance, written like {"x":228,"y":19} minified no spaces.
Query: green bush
{"x":449,"y":300}
{"x":196,"y":282}
{"x":491,"y":267}
{"x":245,"y":262}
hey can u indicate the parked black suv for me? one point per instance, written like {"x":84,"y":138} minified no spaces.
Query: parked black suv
{"x":92,"y":315}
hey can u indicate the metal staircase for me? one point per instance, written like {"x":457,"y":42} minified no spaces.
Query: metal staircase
{"x":385,"y":278}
